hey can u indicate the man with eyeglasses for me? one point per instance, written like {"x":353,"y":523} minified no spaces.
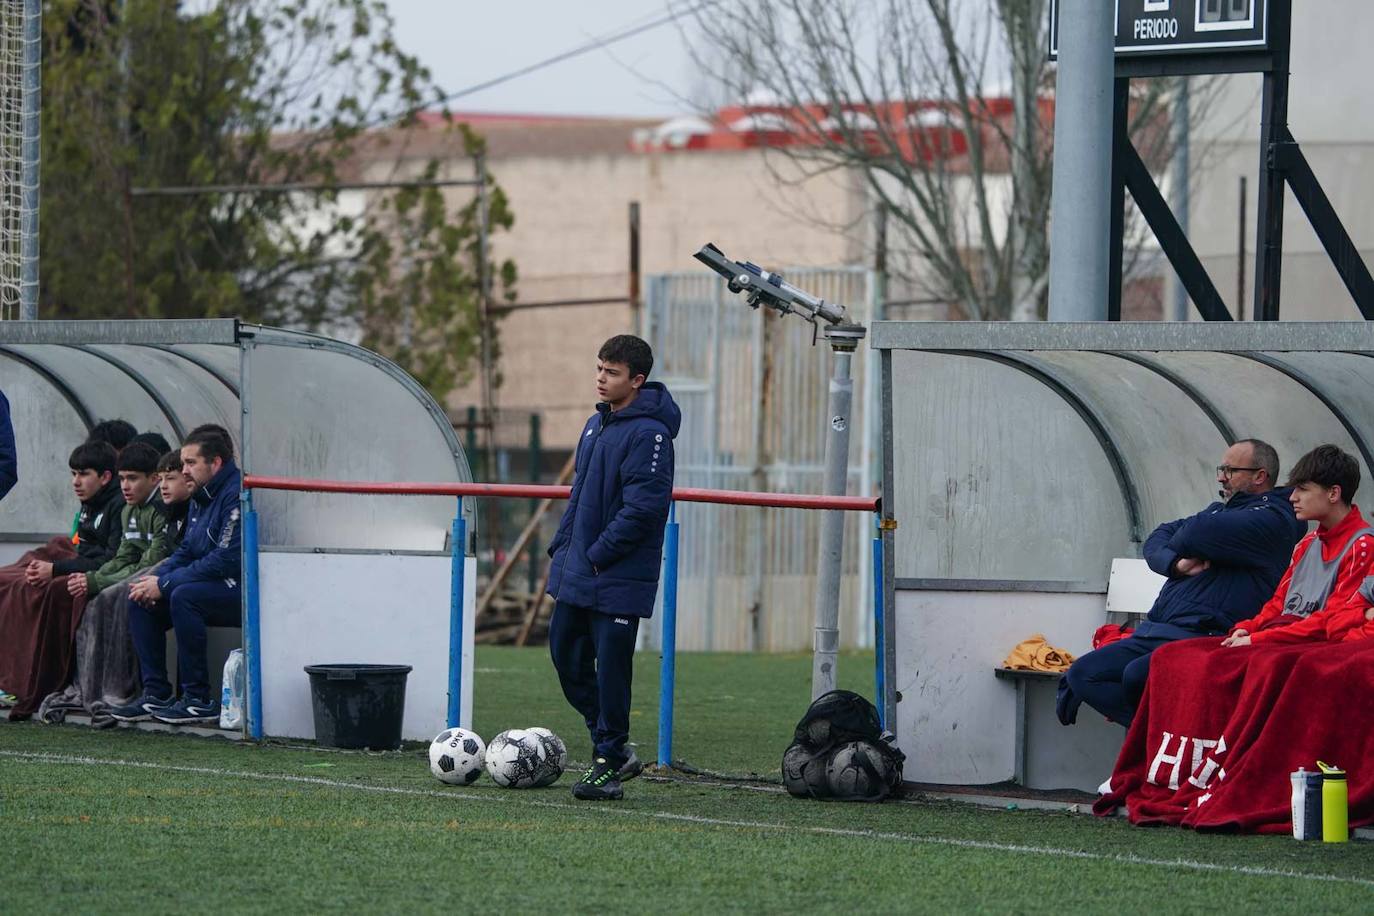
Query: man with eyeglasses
{"x":1222,"y":565}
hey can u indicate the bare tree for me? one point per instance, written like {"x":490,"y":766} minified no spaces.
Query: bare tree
{"x":943,"y":108}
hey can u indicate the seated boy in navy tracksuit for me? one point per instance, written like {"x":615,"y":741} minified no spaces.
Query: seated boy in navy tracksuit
{"x":607,"y":553}
{"x":195,"y":588}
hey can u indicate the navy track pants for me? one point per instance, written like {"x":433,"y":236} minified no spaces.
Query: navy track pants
{"x":594,"y":655}
{"x":189,"y":609}
{"x":1112,"y":678}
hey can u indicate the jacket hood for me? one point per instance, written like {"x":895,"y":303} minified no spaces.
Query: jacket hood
{"x":106,"y":494}
{"x":653,"y":401}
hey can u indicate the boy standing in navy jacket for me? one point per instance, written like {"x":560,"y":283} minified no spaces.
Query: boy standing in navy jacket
{"x":607,"y":553}
{"x":195,"y":588}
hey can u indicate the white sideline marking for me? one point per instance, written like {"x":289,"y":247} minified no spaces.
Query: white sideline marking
{"x":1054,"y":852}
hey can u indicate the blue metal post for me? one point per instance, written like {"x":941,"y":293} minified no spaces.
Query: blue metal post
{"x":667,"y":674}
{"x":878,"y":648}
{"x":252,"y":632}
{"x":458,"y":552}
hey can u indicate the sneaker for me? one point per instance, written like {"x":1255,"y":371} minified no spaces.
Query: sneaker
{"x":599,"y":783}
{"x":632,"y":768}
{"x":142,"y":709}
{"x":189,"y":711}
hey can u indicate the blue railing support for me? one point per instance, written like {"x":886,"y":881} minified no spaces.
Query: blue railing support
{"x":252,"y":630}
{"x":667,"y":672}
{"x":458,"y":554}
{"x":879,"y":680}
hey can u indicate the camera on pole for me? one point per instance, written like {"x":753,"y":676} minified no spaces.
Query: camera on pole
{"x":762,"y":287}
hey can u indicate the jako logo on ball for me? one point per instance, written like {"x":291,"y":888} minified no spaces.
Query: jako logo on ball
{"x":456,"y":756}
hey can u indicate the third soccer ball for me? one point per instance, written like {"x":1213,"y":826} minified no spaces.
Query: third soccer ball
{"x":515,"y":757}
{"x":555,"y":757}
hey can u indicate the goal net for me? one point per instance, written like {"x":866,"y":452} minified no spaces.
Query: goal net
{"x":20,"y":31}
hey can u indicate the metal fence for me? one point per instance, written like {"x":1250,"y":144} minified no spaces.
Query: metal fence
{"x":753,"y":386}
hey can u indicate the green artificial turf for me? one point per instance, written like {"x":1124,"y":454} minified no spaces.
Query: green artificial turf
{"x":124,"y":821}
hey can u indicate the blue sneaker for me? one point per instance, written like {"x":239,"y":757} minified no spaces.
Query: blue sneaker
{"x":189,"y":711}
{"x":142,"y":709}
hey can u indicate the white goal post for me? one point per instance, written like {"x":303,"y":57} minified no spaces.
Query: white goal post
{"x":21,"y":31}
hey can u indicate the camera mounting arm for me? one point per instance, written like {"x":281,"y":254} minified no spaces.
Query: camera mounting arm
{"x":764,"y":288}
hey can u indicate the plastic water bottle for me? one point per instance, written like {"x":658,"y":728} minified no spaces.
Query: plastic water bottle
{"x":232,"y":693}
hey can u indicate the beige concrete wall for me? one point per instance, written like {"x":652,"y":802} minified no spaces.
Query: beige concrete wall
{"x":570,"y":239}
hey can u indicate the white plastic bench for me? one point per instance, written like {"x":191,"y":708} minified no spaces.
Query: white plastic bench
{"x":1131,"y":591}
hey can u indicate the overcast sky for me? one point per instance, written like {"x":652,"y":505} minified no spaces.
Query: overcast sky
{"x":466,"y":42}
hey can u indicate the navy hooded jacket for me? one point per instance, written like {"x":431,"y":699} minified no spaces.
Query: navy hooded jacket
{"x":209,"y":549}
{"x":609,"y":546}
{"x":9,"y":460}
{"x":1248,"y":540}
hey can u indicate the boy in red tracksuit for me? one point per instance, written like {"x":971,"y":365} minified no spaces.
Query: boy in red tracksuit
{"x":1318,"y":597}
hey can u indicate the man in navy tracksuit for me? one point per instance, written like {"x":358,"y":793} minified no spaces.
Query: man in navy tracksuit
{"x":607,"y":553}
{"x":1222,"y":564}
{"x":195,"y":588}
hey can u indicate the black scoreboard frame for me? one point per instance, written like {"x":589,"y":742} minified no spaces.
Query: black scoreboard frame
{"x":1281,"y":160}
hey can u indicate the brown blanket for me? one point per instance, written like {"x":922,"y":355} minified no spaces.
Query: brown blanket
{"x":37,"y":626}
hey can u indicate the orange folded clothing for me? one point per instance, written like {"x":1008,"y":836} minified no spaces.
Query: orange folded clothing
{"x":1034,"y":654}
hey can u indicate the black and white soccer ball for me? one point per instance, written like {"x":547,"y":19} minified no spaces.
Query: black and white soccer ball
{"x":515,"y":758}
{"x":456,"y":756}
{"x":803,"y":773}
{"x":858,"y":771}
{"x":555,"y":757}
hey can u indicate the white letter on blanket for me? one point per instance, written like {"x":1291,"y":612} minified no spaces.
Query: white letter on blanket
{"x":1203,"y":772}
{"x":1163,"y":757}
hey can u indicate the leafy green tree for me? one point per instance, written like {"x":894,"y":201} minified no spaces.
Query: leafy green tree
{"x":148,"y":94}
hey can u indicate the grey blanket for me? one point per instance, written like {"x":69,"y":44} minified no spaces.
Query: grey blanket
{"x":106,"y":666}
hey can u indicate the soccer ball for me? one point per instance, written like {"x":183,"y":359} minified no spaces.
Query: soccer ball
{"x":857,"y":771}
{"x":555,"y":757}
{"x":803,"y":773}
{"x":515,"y":758}
{"x":456,"y":756}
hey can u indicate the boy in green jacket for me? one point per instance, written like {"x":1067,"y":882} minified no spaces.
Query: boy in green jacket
{"x":142,"y":521}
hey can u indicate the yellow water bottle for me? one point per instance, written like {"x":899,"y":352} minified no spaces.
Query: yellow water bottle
{"x":1335,"y":802}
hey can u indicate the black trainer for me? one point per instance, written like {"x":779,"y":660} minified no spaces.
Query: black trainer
{"x":599,"y":783}
{"x":632,"y":768}
{"x":142,"y":709}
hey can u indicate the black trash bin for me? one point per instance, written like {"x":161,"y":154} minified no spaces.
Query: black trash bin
{"x":358,"y":705}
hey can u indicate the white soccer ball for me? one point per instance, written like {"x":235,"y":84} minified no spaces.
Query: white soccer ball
{"x":515,"y":758}
{"x":456,"y":756}
{"x":555,"y":757}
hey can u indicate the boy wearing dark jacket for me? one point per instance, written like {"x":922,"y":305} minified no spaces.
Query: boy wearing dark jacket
{"x":98,"y":531}
{"x":197,"y":587}
{"x":607,"y":553}
{"x":1222,"y":565}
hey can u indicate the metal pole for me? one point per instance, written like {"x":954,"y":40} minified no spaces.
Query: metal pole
{"x":1270,"y":191}
{"x":252,"y":616}
{"x":457,"y":587}
{"x":536,"y":459}
{"x":29,"y":174}
{"x":843,"y":339}
{"x":1181,"y":169}
{"x":879,"y":689}
{"x":636,"y":318}
{"x":667,"y":671}
{"x":1240,"y":255}
{"x":1081,"y":207}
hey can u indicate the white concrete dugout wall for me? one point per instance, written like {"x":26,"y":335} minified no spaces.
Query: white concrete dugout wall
{"x":344,"y":578}
{"x":1020,"y":459}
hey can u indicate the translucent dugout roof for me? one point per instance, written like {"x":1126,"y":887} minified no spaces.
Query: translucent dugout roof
{"x":297,"y":405}
{"x":1032,"y":454}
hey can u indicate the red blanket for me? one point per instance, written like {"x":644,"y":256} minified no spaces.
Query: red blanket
{"x":1220,"y":729}
{"x":37,"y":630}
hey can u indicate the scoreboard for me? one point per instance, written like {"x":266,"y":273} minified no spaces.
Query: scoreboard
{"x":1176,"y":27}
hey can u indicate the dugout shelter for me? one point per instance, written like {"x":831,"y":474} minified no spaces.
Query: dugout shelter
{"x":1020,"y":459}
{"x":343,"y":577}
